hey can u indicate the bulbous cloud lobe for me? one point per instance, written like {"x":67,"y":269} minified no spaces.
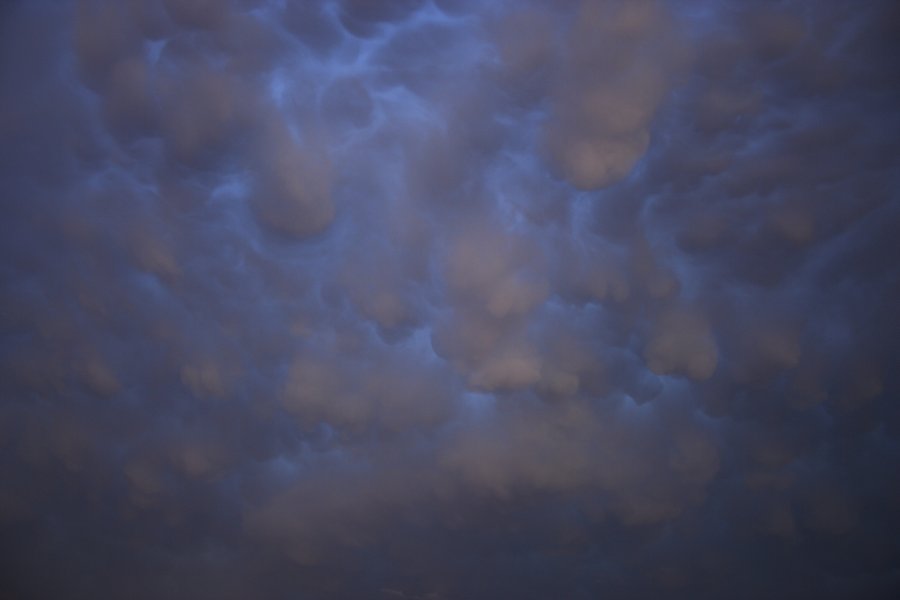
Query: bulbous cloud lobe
{"x":449,"y":299}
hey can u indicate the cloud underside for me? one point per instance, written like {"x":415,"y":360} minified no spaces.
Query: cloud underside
{"x":449,"y":299}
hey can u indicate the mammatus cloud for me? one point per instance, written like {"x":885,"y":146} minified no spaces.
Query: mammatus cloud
{"x":681,"y":344}
{"x":449,"y":299}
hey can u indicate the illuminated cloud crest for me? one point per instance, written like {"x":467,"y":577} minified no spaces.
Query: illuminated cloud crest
{"x":446,"y":299}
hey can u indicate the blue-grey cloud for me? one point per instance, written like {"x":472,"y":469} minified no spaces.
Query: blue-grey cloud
{"x":449,"y":299}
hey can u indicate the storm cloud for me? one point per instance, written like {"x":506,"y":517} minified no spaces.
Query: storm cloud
{"x":449,"y":299}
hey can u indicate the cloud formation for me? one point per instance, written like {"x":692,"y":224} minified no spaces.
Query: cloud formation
{"x":444,"y":299}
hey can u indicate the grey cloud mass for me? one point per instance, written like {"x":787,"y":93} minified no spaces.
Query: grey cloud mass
{"x":449,"y":299}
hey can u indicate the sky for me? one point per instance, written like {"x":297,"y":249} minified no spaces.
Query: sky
{"x":449,"y":299}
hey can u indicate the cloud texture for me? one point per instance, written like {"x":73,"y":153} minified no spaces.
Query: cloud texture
{"x":449,"y":299}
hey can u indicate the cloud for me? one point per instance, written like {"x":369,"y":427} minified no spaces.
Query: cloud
{"x":292,"y":195}
{"x":682,"y":344}
{"x":614,"y":76}
{"x":448,"y":299}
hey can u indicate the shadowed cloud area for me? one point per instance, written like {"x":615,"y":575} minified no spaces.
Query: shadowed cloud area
{"x":449,"y":299}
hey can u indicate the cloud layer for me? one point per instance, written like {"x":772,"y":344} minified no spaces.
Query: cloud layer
{"x":446,"y":299}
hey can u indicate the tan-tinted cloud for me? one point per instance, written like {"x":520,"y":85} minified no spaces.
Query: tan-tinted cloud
{"x":682,"y":344}
{"x":619,"y":57}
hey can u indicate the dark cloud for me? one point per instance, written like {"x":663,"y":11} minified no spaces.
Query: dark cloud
{"x":449,"y":299}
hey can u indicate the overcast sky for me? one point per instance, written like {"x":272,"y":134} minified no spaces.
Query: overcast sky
{"x":449,"y":299}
